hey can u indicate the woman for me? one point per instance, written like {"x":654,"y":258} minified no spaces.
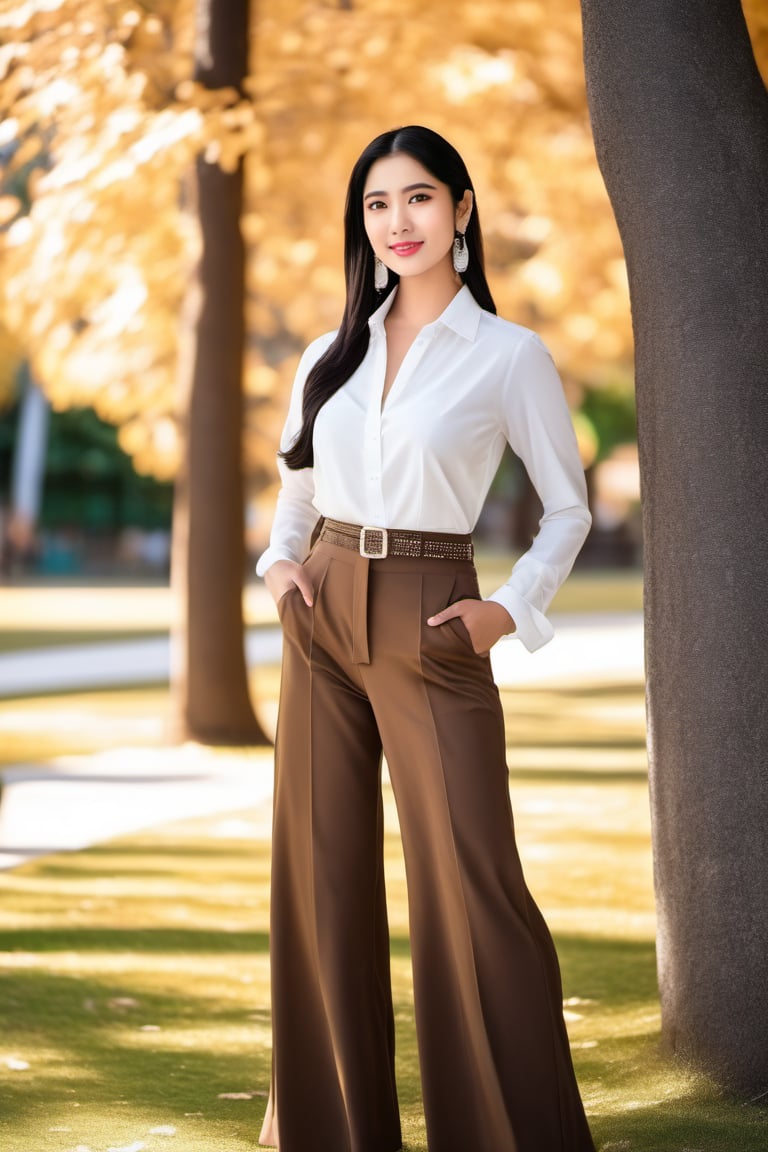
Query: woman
{"x":396,"y":426}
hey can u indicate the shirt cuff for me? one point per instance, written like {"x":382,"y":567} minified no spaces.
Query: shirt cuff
{"x":531,"y":626}
{"x":270,"y":557}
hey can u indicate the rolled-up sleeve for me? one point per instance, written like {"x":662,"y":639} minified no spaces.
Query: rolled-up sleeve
{"x":539,"y":429}
{"x":295,"y":512}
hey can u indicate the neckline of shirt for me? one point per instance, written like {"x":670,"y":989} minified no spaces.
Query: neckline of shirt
{"x":462,"y":315}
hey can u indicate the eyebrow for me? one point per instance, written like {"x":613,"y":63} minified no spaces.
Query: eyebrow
{"x":408,"y":188}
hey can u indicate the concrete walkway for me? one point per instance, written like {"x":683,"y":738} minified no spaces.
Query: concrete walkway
{"x":116,"y":664}
{"x":585,"y":645}
{"x":75,"y":801}
{"x":80,"y":800}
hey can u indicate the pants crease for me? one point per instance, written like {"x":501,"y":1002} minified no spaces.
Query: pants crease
{"x":363,"y":673}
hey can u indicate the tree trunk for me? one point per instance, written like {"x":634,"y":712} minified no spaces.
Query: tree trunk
{"x":211,"y":683}
{"x":680,"y":118}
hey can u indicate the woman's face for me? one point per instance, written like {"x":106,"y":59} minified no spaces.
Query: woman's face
{"x":410,"y":217}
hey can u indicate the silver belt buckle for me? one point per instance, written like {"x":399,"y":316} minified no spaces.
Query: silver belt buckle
{"x":365,"y":550}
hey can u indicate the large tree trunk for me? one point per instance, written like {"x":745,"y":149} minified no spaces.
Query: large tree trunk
{"x":212,"y":699}
{"x":680,"y":118}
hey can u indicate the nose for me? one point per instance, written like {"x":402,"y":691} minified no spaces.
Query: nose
{"x":399,"y":220}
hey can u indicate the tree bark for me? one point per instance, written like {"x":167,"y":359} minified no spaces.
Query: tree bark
{"x":211,"y":683}
{"x":680,"y":119}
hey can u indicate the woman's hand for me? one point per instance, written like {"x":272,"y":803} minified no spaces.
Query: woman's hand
{"x":485,"y":621}
{"x":281,"y":576}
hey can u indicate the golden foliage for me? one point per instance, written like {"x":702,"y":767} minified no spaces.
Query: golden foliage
{"x":10,"y":356}
{"x":101,"y":120}
{"x":505,"y":83}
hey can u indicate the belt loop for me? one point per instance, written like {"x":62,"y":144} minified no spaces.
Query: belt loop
{"x":360,"y":611}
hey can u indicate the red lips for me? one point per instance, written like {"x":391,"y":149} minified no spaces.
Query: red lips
{"x":407,"y":249}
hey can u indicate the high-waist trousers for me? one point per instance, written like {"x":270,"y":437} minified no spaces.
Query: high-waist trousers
{"x":362,"y":672}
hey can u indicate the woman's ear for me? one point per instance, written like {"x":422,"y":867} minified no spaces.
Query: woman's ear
{"x":464,"y":210}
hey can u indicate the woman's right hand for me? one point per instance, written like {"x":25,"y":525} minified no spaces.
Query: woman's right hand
{"x":281,"y":576}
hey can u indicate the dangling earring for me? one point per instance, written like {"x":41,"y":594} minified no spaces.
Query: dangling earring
{"x":380,"y":275}
{"x":460,"y":253}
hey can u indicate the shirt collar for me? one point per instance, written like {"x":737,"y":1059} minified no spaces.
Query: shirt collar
{"x":462,"y":314}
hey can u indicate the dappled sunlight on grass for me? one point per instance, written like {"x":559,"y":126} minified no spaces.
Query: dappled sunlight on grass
{"x":49,"y":726}
{"x":583,"y":591}
{"x":85,"y":609}
{"x":568,"y":835}
{"x":136,"y":978}
{"x":604,"y":721}
{"x":58,"y":614}
{"x":579,"y":761}
{"x":136,"y":973}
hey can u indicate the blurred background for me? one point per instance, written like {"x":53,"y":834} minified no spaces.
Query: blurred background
{"x":101,"y":122}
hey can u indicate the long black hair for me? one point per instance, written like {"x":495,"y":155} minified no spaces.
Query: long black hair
{"x":348,"y":349}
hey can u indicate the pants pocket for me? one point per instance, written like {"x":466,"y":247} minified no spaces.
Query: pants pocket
{"x":442,"y":590}
{"x":283,"y":601}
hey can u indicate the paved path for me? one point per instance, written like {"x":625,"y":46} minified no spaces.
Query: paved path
{"x":114,"y":664}
{"x":76,"y":801}
{"x":80,"y":800}
{"x":584,"y":645}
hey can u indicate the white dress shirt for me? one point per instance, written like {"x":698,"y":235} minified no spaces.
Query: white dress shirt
{"x":425,"y":459}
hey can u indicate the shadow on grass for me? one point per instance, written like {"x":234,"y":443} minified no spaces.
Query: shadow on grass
{"x":116,"y":941}
{"x":641,"y":1101}
{"x":616,"y":972}
{"x":703,"y":1121}
{"x":142,"y":862}
{"x":111,"y":1039}
{"x":164,"y":1022}
{"x":116,"y":1032}
{"x":578,"y":775}
{"x":638,"y":1098}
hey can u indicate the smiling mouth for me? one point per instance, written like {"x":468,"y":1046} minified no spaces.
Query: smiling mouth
{"x":406,"y":249}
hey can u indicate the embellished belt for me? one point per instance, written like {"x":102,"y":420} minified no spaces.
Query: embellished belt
{"x":378,"y":543}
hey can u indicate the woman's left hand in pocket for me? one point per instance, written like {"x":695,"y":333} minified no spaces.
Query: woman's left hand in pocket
{"x":485,"y":621}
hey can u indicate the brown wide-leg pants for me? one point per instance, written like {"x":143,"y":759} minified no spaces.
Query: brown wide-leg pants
{"x":363,"y":671}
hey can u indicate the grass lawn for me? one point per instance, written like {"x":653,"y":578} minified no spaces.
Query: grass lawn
{"x":134,"y":1003}
{"x":37,"y":729}
{"x":135,"y":1009}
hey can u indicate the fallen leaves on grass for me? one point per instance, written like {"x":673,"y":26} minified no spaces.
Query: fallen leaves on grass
{"x":136,"y":1146}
